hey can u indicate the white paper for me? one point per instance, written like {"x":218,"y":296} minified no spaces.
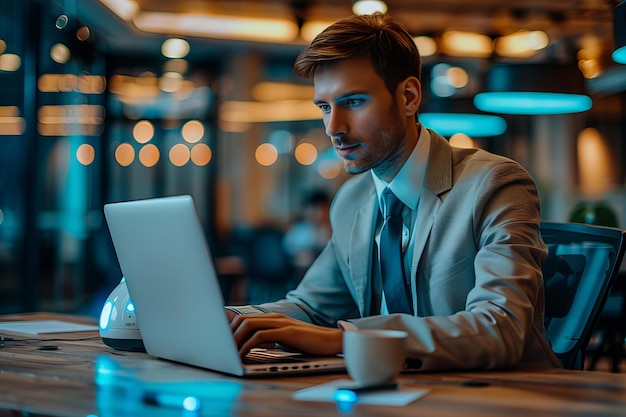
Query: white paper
{"x":44,"y":326}
{"x":326,"y":392}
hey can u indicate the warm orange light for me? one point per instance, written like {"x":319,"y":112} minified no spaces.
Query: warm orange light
{"x":179,"y":155}
{"x":266,"y":154}
{"x":201,"y":154}
{"x":461,"y":140}
{"x":125,"y":9}
{"x":175,"y":48}
{"x":425,"y":45}
{"x":85,"y":154}
{"x":193,"y":131}
{"x":125,"y":154}
{"x":221,"y":27}
{"x":83,"y":33}
{"x":87,"y":84}
{"x":273,"y":91}
{"x":171,"y":82}
{"x":143,"y":131}
{"x":305,"y":153}
{"x":10,"y":62}
{"x":329,"y":168}
{"x":457,"y":77}
{"x":67,"y":120}
{"x":522,"y":44}
{"x":594,"y":161}
{"x":11,"y":124}
{"x":469,"y":44}
{"x":274,"y":111}
{"x":312,"y":28}
{"x":149,"y":155}
{"x":9,"y":111}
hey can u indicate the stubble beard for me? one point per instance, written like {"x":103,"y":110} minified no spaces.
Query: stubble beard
{"x":382,"y":157}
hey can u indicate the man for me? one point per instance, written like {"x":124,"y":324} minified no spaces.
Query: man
{"x":306,"y":238}
{"x":471,"y":246}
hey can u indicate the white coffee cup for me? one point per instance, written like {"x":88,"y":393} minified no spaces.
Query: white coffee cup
{"x":374,"y":356}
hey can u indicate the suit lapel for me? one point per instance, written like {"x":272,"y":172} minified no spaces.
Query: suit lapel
{"x":438,"y":181}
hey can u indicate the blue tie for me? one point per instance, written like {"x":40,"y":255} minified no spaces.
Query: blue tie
{"x":395,"y":285}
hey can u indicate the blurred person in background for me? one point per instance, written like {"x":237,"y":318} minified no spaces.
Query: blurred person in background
{"x":307,"y":236}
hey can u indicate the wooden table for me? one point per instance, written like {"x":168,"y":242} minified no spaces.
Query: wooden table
{"x":84,"y":377}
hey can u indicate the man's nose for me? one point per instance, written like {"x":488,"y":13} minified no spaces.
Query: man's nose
{"x":336,"y":124}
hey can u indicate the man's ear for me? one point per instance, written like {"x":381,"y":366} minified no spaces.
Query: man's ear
{"x":412,"y":93}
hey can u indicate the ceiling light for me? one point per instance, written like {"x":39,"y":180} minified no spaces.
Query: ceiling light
{"x":368,"y":6}
{"x":271,"y":91}
{"x":60,"y":53}
{"x":534,"y":88}
{"x":175,"y":48}
{"x":10,"y":62}
{"x":312,"y":28}
{"x":270,"y":111}
{"x":470,"y":124}
{"x":522,"y":44}
{"x":468,"y":44}
{"x":425,"y":45}
{"x":124,"y":9}
{"x":449,"y":116}
{"x":619,"y":33}
{"x":219,"y":27}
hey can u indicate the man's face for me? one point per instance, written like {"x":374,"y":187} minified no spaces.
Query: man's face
{"x":366,"y":123}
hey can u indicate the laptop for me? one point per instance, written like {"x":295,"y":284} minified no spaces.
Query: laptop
{"x":179,"y":307}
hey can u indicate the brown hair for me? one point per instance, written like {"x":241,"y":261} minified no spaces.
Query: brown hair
{"x":388,"y":44}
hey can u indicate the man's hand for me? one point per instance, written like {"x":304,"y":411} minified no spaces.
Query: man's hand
{"x":230,"y":314}
{"x":253,"y":330}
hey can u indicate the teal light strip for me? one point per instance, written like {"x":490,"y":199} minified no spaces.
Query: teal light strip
{"x":532,"y":103}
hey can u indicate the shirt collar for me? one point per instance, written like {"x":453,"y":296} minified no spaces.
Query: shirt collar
{"x":408,"y":183}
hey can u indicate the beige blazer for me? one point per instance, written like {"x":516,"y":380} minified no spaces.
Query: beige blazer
{"x":476,"y":276}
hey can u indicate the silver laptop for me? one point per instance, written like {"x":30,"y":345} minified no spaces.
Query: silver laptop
{"x":172,"y":282}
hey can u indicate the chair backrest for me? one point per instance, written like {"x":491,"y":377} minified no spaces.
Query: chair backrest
{"x":581,"y":267}
{"x":267,"y":259}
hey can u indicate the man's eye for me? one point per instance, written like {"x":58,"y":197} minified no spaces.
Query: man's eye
{"x":354,"y":102}
{"x":324,"y":107}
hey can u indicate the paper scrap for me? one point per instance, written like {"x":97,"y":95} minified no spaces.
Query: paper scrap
{"x":326,"y":392}
{"x":44,"y":326}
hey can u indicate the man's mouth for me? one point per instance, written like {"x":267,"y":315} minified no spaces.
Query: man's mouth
{"x":345,"y":150}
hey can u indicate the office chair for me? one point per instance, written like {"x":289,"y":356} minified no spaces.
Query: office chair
{"x":269,"y":270}
{"x":581,"y":267}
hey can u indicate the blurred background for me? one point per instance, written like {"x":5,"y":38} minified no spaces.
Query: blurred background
{"x":111,"y":100}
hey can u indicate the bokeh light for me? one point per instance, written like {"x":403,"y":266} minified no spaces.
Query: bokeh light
{"x":193,"y":131}
{"x":305,"y":153}
{"x":85,"y":154}
{"x":179,"y":155}
{"x":461,"y":140}
{"x":201,"y":154}
{"x":125,"y":154}
{"x":149,"y":155}
{"x":329,"y":168}
{"x":175,"y":48}
{"x":60,"y":53}
{"x":266,"y":154}
{"x":143,"y":131}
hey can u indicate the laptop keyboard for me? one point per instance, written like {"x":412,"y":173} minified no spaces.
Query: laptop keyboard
{"x":260,"y":355}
